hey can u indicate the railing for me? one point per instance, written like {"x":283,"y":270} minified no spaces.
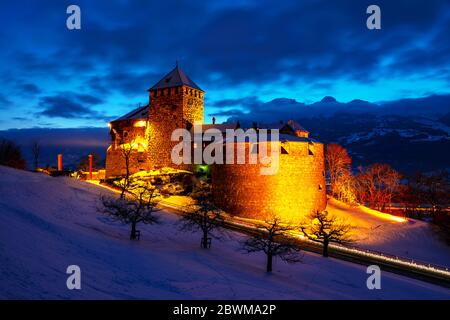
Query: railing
{"x":410,"y":267}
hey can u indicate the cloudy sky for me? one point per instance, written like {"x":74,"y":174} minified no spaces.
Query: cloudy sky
{"x":241,"y":53}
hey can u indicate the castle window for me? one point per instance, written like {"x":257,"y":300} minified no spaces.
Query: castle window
{"x":284,"y":151}
{"x":125,"y":134}
{"x":176,"y":90}
{"x":155,"y":93}
{"x":310,"y":149}
{"x":320,"y":187}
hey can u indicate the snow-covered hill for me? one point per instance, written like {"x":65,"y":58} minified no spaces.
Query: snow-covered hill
{"x":413,"y":239}
{"x":49,"y":223}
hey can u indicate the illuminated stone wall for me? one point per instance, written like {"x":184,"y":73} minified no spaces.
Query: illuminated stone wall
{"x":126,"y":132}
{"x":296,"y":190}
{"x":170,"y":109}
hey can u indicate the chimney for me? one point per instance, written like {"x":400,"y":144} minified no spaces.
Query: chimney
{"x":60,"y":167}
{"x":213,"y":120}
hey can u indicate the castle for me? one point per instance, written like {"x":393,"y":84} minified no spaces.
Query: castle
{"x":176,"y":101}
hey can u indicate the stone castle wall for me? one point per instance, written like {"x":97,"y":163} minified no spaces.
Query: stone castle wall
{"x":170,"y":109}
{"x":297,"y":189}
{"x":125,"y":132}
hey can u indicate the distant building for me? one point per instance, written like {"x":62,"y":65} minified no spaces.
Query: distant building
{"x":177,"y":102}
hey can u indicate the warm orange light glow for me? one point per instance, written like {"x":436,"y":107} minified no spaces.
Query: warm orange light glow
{"x":140,"y":123}
{"x":60,"y":163}
{"x":382,"y":215}
{"x":138,"y":143}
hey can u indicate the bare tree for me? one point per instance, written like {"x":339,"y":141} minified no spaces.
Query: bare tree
{"x":272,"y":240}
{"x":11,"y":155}
{"x":435,"y":189}
{"x":324,"y":228}
{"x":411,"y":198}
{"x":204,"y":217}
{"x":344,"y":188}
{"x":126,"y":151}
{"x":337,"y":164}
{"x":138,"y":207}
{"x":429,"y":194}
{"x":376,"y":185}
{"x":36,"y":151}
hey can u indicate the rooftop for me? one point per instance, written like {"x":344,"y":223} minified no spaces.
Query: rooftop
{"x":175,"y":78}
{"x":140,"y":113}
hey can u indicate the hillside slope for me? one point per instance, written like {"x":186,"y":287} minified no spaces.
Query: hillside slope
{"x":49,"y":223}
{"x":413,"y":239}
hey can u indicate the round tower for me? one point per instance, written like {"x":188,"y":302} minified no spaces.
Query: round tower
{"x":295,"y":190}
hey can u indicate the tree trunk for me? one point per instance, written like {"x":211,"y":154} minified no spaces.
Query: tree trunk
{"x":325,"y":247}
{"x":127,"y":177}
{"x":269,"y":262}
{"x":133,"y":231}
{"x":205,"y":240}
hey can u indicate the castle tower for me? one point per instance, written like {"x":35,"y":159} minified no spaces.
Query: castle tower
{"x":175,"y":102}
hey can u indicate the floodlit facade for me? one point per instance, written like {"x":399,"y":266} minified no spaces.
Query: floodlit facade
{"x":297,"y":188}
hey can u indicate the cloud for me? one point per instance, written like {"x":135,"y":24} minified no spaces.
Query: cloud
{"x":303,"y":49}
{"x":125,"y":82}
{"x":29,"y":88}
{"x":256,"y":42}
{"x":4,"y":102}
{"x":70,"y":106}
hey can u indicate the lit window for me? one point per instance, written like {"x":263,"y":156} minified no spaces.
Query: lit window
{"x":140,"y":123}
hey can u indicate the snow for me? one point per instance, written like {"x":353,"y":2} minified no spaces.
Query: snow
{"x":47,"y":224}
{"x":360,"y":137}
{"x":412,"y":239}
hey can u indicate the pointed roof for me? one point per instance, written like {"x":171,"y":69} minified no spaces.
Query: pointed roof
{"x":140,"y":113}
{"x":175,"y":78}
{"x":296,"y":126}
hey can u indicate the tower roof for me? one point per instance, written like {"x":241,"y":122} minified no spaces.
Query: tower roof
{"x":175,"y":78}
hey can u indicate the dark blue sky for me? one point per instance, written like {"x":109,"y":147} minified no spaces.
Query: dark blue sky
{"x":237,"y":51}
